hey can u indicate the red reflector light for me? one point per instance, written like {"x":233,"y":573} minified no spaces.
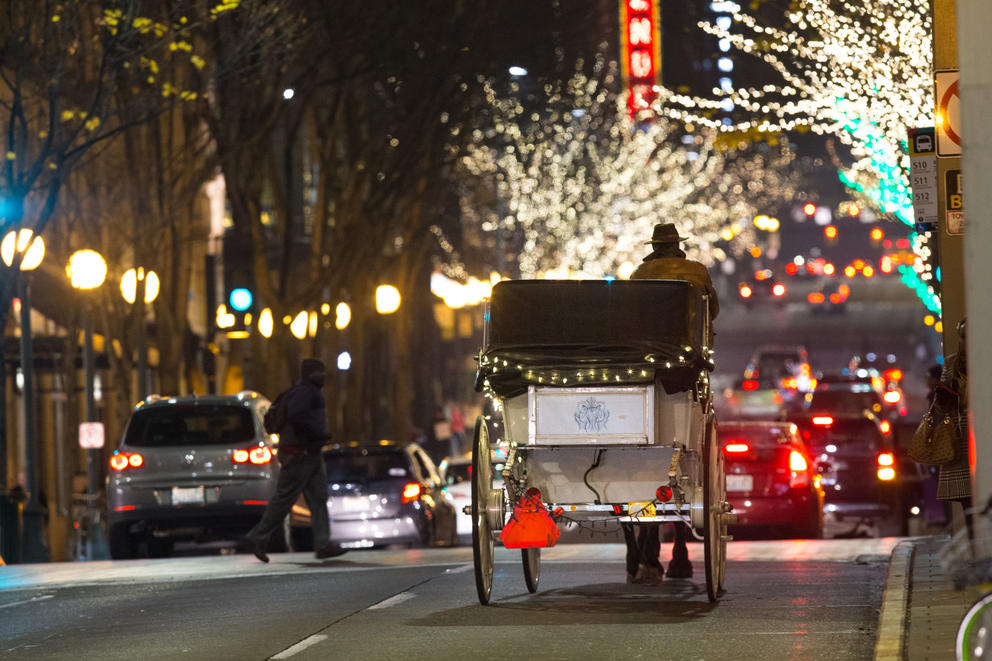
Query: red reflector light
{"x":256,"y":502}
{"x":822,"y":420}
{"x":736,"y":447}
{"x":240,"y":456}
{"x":411,"y":492}
{"x":663,"y":493}
{"x":749,"y":384}
{"x":892,"y":396}
{"x":886,"y":459}
{"x":260,"y":455}
{"x":124,"y":508}
{"x":797,"y":462}
{"x":778,"y":290}
{"x":885,"y":426}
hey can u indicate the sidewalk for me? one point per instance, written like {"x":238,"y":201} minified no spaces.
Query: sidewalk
{"x":921,"y":610}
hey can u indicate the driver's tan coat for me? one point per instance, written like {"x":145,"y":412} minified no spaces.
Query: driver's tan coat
{"x":679,"y":268}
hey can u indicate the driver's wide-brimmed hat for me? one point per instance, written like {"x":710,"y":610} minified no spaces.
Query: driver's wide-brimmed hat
{"x":665,"y":233}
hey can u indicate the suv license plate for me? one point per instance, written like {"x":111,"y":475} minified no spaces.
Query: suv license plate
{"x":187,"y":496}
{"x":740,"y":482}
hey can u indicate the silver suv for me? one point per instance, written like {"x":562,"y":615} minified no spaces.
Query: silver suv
{"x":190,"y":468}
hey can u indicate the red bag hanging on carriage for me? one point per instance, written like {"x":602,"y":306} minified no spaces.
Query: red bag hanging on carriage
{"x":530,"y":525}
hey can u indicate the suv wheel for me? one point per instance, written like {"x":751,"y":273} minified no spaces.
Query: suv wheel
{"x":123,"y":545}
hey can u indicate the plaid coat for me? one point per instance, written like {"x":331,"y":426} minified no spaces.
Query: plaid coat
{"x":954,"y":481}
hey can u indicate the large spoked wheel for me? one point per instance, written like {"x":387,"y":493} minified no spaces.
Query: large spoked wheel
{"x":532,"y":568}
{"x":715,"y":524}
{"x":482,"y":531}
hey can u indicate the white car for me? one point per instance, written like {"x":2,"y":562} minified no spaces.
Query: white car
{"x":457,"y":477}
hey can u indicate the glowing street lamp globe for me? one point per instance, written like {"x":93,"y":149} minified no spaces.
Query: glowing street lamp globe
{"x":26,"y":243}
{"x":129,"y":284}
{"x":387,"y":299}
{"x":86,"y":269}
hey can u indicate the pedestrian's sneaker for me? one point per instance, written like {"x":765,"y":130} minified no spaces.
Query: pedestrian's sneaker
{"x":329,"y":550}
{"x":649,"y":575}
{"x":679,"y":569}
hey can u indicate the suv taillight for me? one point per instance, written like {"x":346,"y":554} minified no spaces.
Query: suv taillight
{"x":120,"y":461}
{"x":411,"y":492}
{"x":259,"y":455}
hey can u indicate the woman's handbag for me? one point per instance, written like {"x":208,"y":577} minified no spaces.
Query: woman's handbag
{"x":935,"y":441}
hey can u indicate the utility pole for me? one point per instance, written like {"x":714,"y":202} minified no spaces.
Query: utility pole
{"x":974,"y":20}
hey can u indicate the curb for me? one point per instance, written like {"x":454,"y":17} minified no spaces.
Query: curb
{"x":895,"y":600}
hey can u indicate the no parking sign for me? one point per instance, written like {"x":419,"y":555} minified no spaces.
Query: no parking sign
{"x":948,"y":103}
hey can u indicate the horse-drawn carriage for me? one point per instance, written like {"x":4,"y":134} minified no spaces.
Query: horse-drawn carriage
{"x":601,"y":400}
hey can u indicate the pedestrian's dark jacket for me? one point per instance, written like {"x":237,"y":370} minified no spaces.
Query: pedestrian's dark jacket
{"x":306,"y":417}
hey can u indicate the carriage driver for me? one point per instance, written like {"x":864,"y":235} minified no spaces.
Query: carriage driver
{"x":665,"y":262}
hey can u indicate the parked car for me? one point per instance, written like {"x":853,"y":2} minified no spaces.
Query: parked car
{"x":771,"y":479}
{"x":457,"y":476}
{"x":386,"y":494}
{"x":190,"y":468}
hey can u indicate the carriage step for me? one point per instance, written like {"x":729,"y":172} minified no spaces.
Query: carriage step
{"x":726,"y":538}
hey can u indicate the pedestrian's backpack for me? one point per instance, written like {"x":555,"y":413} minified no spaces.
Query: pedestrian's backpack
{"x":275,"y":418}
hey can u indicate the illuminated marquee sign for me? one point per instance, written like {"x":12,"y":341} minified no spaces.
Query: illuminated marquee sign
{"x":641,"y":51}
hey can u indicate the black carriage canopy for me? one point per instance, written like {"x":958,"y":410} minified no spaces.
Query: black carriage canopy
{"x":590,"y":332}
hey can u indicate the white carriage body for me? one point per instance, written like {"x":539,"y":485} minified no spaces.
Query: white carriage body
{"x":638,"y":431}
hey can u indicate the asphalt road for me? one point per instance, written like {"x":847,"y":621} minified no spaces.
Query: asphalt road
{"x":785,"y":600}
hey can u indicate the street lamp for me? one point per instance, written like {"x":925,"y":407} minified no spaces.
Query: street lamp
{"x":31,"y":249}
{"x":87,"y":270}
{"x":141,"y":287}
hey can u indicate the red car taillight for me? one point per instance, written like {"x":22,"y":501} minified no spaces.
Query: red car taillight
{"x":259,"y":455}
{"x":892,"y":396}
{"x":736,"y":447}
{"x":120,"y":461}
{"x":885,"y":427}
{"x":823,"y":420}
{"x":749,"y":384}
{"x":886,"y":466}
{"x":411,"y":492}
{"x":799,"y":470}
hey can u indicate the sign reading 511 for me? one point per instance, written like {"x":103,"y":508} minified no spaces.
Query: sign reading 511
{"x":923,"y":176}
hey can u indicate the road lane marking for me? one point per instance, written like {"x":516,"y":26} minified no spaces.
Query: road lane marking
{"x":392,"y":601}
{"x":459,"y":570}
{"x":28,"y":601}
{"x":300,"y":646}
